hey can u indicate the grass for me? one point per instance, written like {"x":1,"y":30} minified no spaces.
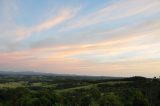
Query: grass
{"x":24,"y":84}
{"x":90,"y":86}
{"x":38,"y":84}
{"x":12,"y":84}
{"x":75,"y":88}
{"x":115,"y":82}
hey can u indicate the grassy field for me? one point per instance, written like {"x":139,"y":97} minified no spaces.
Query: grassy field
{"x":47,"y":85}
{"x":13,"y":84}
{"x":25,"y":84}
{"x":91,"y":85}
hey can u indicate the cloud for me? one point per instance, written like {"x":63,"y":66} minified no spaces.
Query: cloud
{"x":62,"y":16}
{"x":109,"y":50}
{"x":12,"y":34}
{"x":115,"y":12}
{"x":9,"y":11}
{"x":91,"y":37}
{"x":122,"y":37}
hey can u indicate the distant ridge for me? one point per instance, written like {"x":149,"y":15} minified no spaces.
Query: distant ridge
{"x":33,"y":73}
{"x":24,"y":73}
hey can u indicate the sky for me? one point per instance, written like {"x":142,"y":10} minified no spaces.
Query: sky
{"x":84,"y":37}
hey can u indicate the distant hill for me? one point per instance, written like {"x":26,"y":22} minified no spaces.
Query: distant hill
{"x":32,"y":73}
{"x":21,"y":73}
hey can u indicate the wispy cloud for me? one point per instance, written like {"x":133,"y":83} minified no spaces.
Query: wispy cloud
{"x":120,"y":37}
{"x":12,"y":34}
{"x":62,"y":16}
{"x":115,"y":12}
{"x":9,"y":11}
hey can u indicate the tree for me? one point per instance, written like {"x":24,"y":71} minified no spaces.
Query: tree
{"x":95,"y":93}
{"x":110,"y":100}
{"x":140,"y":99}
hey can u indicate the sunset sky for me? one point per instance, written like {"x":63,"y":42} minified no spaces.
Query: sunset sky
{"x":84,"y":37}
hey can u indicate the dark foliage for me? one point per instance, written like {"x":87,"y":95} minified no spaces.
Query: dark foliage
{"x":135,"y":91}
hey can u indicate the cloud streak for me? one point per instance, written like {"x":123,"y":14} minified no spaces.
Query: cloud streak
{"x":115,"y":12}
{"x":62,"y":16}
{"x":119,"y":37}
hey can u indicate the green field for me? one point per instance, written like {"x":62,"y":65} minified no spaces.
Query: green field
{"x":92,"y":85}
{"x":12,"y":84}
